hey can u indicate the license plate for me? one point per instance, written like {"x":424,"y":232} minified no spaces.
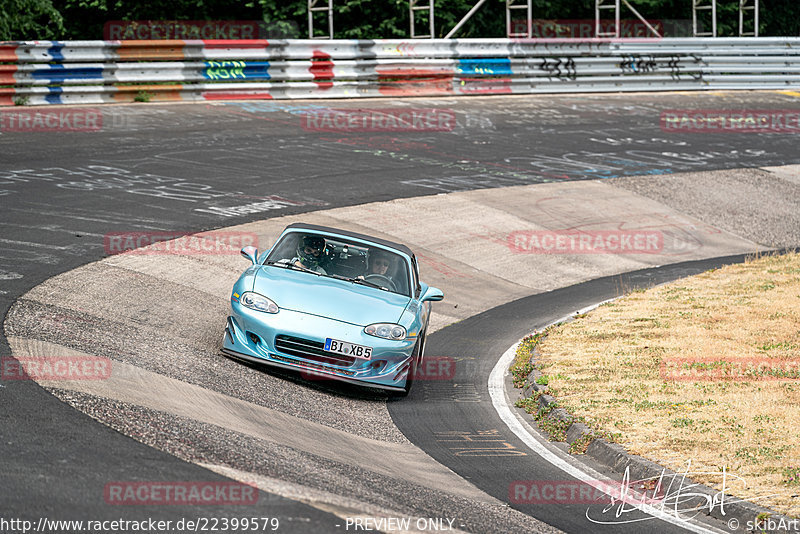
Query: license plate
{"x":348,"y":349}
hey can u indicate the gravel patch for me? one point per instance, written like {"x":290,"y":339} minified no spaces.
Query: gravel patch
{"x":202,"y":443}
{"x":358,"y":411}
{"x":752,"y":203}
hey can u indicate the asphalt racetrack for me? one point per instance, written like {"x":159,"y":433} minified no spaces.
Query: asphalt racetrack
{"x":570,"y":161}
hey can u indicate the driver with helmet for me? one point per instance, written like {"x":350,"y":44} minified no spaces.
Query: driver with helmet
{"x":309,"y":253}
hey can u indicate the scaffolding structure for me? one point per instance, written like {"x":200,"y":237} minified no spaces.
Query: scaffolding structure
{"x":601,"y":5}
{"x":748,"y":10}
{"x":416,"y":6}
{"x":698,"y":7}
{"x":745,"y":6}
{"x":314,"y":8}
{"x":512,"y":6}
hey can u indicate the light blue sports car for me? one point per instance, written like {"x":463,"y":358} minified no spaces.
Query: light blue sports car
{"x":333,"y":304}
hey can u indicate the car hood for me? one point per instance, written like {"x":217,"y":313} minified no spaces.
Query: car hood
{"x":328,"y":297}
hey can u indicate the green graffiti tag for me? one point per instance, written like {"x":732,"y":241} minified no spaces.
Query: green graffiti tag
{"x":225,"y":70}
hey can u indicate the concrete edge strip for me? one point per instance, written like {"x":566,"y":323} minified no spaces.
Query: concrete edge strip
{"x":126,"y":384}
{"x":345,"y":508}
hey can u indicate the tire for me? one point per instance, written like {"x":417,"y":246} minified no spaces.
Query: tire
{"x":416,"y":359}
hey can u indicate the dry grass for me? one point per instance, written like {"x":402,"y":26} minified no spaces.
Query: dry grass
{"x":614,"y":365}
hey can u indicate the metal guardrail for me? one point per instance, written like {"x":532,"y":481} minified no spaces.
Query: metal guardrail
{"x":92,"y":72}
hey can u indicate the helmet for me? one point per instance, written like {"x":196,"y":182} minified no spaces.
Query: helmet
{"x":307,"y":243}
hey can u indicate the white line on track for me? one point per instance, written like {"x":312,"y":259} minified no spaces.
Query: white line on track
{"x":585,"y":474}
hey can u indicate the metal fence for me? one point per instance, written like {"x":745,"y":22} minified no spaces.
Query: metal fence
{"x":92,"y":72}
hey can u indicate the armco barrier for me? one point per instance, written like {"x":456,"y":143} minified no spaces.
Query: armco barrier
{"x":92,"y":72}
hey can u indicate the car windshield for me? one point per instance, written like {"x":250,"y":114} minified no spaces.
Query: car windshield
{"x":337,"y":257}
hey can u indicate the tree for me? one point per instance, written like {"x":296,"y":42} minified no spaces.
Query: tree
{"x":353,"y":19}
{"x":22,"y":20}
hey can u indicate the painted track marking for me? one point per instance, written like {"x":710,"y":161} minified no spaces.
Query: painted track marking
{"x":585,"y":474}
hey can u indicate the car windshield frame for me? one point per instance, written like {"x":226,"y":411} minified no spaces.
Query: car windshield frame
{"x":343,"y":258}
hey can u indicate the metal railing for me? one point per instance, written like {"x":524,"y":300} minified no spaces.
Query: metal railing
{"x":91,"y":72}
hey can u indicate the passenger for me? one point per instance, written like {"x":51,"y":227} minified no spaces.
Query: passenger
{"x":379,"y":269}
{"x":379,"y":263}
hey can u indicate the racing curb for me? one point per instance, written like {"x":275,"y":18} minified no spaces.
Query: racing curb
{"x":615,"y":457}
{"x":618,"y":460}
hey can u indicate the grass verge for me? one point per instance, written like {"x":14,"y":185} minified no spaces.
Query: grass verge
{"x":703,"y":370}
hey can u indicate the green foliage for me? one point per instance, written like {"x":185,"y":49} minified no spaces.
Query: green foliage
{"x":791,"y":476}
{"x":580,"y":445}
{"x":22,"y":20}
{"x":353,"y":19}
{"x":382,"y":19}
{"x":522,"y":366}
{"x":529,"y":404}
{"x":143,"y":96}
{"x":84,"y":19}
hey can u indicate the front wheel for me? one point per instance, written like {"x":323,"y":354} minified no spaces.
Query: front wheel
{"x":416,"y":360}
{"x":412,"y":370}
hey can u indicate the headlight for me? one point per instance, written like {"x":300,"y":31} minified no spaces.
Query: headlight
{"x":258,"y":302}
{"x":386,"y":331}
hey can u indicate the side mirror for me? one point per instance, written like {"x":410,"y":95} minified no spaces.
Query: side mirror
{"x":250,"y":253}
{"x":432,"y":294}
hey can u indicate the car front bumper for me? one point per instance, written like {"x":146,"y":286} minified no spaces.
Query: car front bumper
{"x":272,"y":339}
